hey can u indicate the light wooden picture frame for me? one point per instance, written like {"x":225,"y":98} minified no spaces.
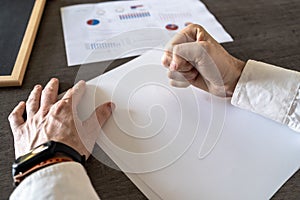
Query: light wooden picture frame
{"x":19,"y":68}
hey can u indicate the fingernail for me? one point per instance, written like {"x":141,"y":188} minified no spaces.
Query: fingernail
{"x":53,"y":79}
{"x":37,"y":86}
{"x":81,"y":82}
{"x":173,"y":66}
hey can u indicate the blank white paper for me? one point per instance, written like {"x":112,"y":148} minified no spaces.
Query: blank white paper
{"x":185,"y":143}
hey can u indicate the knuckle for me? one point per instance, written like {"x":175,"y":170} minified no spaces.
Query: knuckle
{"x":67,"y":100}
{"x":61,"y":104}
{"x":49,"y":89}
{"x":198,"y":26}
{"x":31,"y":100}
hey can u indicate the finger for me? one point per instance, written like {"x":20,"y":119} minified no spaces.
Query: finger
{"x":177,"y":39}
{"x":166,"y":59}
{"x":190,"y":75}
{"x":179,"y":84}
{"x":192,"y":53}
{"x":182,"y":37}
{"x":33,"y":102}
{"x":191,"y":33}
{"x":104,"y":111}
{"x":173,"y":61}
{"x":183,"y":76}
{"x":49,"y":95}
{"x":75,"y":93}
{"x":197,"y":33}
{"x":60,"y":107}
{"x":176,"y":76}
{"x":16,"y":116}
{"x":180,"y":63}
{"x":99,"y":116}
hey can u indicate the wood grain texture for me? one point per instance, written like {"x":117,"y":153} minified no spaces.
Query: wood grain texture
{"x":266,"y":30}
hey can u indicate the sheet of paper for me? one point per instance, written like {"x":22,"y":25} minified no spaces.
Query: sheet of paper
{"x":125,"y":28}
{"x":184,"y":143}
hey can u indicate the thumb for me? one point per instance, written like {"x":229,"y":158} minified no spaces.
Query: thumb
{"x":190,"y":52}
{"x":99,"y":116}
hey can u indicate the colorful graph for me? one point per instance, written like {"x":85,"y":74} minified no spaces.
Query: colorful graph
{"x":134,"y":15}
{"x":171,"y":27}
{"x":93,"y":22}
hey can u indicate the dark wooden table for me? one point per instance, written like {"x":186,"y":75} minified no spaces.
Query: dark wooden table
{"x":266,"y":30}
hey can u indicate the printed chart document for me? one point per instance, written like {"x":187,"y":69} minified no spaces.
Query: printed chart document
{"x":126,"y":28}
{"x":176,"y":143}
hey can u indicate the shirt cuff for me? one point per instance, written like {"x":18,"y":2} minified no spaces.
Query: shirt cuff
{"x":67,"y":180}
{"x":270,"y":91}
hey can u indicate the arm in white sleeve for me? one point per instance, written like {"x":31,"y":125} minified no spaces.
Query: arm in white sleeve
{"x":67,"y":180}
{"x":269,"y":91}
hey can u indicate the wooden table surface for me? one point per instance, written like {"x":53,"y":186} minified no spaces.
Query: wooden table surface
{"x":266,"y":30}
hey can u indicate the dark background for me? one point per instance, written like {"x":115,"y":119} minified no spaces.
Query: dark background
{"x":266,"y":30}
{"x":12,"y":30}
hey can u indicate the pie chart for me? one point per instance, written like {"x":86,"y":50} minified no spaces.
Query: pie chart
{"x":93,"y":22}
{"x":171,"y":27}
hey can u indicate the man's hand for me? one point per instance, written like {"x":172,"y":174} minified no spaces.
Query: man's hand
{"x":194,"y":57}
{"x":52,"y":119}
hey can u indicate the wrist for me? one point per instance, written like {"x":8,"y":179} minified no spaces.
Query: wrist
{"x":238,"y":66}
{"x":42,"y":156}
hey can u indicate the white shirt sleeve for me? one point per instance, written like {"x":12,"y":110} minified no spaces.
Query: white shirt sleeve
{"x":269,"y":91}
{"x":67,"y":180}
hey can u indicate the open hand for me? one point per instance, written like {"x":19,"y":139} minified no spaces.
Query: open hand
{"x":51,"y":119}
